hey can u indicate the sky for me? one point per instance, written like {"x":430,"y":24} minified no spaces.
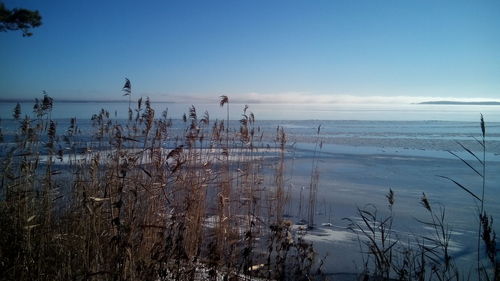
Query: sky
{"x":257,"y":50}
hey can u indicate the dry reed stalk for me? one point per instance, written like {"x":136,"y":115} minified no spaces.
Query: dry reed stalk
{"x":132,"y":210}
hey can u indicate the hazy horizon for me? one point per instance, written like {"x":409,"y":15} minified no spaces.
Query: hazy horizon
{"x":290,"y":98}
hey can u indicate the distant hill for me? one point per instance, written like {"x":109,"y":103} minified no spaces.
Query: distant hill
{"x":462,"y":102}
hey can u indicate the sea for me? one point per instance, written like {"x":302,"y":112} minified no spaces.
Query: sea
{"x":292,"y":111}
{"x":409,"y":129}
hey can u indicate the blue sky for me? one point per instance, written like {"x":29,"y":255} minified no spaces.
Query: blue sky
{"x":301,"y":51}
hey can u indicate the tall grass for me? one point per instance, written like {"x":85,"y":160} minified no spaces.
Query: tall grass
{"x":155,"y":198}
{"x":139,"y":199}
{"x":427,"y":257}
{"x":314,"y":180}
{"x":485,"y":233}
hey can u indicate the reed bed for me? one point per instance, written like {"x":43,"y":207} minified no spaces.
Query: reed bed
{"x":138,"y":199}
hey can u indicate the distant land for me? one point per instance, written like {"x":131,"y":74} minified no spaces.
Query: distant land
{"x":462,"y":102}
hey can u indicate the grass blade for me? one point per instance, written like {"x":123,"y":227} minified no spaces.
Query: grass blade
{"x":466,"y":163}
{"x":470,"y":152}
{"x":461,"y":186}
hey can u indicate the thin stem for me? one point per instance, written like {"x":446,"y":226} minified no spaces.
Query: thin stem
{"x":482,"y":200}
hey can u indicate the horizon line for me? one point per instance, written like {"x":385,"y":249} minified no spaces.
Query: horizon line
{"x":300,"y":99}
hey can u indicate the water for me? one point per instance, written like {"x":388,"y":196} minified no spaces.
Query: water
{"x":373,"y":112}
{"x":408,"y":129}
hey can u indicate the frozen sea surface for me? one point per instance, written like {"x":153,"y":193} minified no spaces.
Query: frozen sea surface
{"x":366,"y":150}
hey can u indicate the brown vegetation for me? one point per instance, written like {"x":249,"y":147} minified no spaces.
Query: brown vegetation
{"x":122,"y":205}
